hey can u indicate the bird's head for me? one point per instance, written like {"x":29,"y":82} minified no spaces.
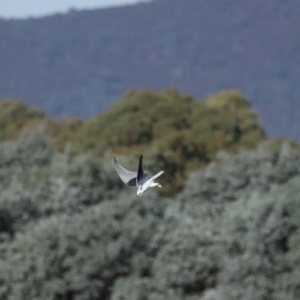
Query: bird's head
{"x":141,"y":190}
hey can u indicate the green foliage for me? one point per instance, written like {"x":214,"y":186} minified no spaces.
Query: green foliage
{"x":15,"y":116}
{"x":63,"y":132}
{"x":287,"y":283}
{"x":37,"y":182}
{"x":175,"y":133}
{"x":234,"y":176}
{"x":79,"y":256}
{"x":69,"y":231}
{"x":256,"y":232}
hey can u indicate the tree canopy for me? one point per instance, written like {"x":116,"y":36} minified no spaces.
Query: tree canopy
{"x":175,"y":132}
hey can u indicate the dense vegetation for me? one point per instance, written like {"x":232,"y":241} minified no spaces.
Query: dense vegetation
{"x":174,"y":132}
{"x":79,"y":63}
{"x":71,"y":230}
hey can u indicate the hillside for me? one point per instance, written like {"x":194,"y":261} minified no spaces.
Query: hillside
{"x":80,"y":63}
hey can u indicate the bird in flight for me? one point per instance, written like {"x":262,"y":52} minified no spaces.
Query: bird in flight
{"x":141,"y":179}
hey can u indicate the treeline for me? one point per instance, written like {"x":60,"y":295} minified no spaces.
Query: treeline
{"x":71,"y":230}
{"x":175,"y":132}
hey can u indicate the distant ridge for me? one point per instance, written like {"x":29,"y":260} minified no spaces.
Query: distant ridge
{"x":81,"y":62}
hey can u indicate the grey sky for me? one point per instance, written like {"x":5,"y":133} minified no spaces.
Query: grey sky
{"x":27,"y":8}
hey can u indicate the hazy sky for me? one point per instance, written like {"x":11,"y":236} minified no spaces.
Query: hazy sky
{"x":27,"y":8}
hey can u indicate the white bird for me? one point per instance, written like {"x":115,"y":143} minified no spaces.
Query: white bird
{"x":140,"y":179}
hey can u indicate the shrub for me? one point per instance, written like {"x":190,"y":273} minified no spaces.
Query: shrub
{"x":36,"y":182}
{"x":207,"y":191}
{"x":79,"y":256}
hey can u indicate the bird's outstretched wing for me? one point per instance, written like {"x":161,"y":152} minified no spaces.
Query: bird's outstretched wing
{"x":156,"y":175}
{"x":128,"y":177}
